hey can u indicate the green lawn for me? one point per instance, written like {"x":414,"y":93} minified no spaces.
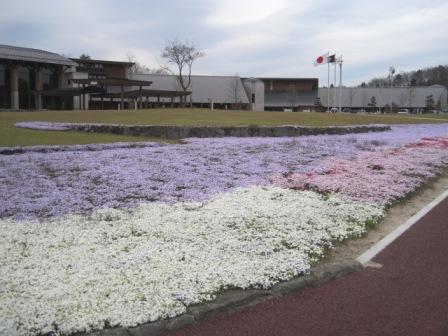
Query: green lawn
{"x":11,"y":136}
{"x":443,"y":116}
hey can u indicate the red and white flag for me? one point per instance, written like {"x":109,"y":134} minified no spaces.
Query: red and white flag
{"x":322,"y":59}
{"x":331,"y":58}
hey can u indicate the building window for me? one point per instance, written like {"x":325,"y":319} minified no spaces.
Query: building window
{"x":50,"y":78}
{"x":27,"y":84}
{"x":5,"y":87}
{"x":93,"y":76}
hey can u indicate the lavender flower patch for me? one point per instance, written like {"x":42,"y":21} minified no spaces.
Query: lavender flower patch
{"x":40,"y":185}
{"x":43,"y":126}
{"x":75,"y":148}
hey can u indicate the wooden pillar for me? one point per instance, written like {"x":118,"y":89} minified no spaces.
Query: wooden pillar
{"x":61,"y":84}
{"x":83,"y":98}
{"x":78,"y":106}
{"x":122,"y":97}
{"x":172,"y":101}
{"x":60,"y":74}
{"x":39,"y":87}
{"x":146,"y":104}
{"x":102,"y":102}
{"x":140,"y":98}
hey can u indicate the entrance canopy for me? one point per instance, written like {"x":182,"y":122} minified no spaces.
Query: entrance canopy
{"x":121,"y":82}
{"x":70,"y":92}
{"x":145,"y":93}
{"x":112,"y":82}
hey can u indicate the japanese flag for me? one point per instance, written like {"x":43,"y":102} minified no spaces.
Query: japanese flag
{"x":322,"y":59}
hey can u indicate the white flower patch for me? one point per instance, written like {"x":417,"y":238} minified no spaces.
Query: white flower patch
{"x":119,"y":268}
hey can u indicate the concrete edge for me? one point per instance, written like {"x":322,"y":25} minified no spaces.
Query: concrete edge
{"x":233,"y":299}
{"x":368,"y":255}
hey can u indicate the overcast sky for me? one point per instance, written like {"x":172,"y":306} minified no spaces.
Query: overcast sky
{"x":253,"y":38}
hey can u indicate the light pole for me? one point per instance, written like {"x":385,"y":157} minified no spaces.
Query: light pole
{"x":391,"y":75}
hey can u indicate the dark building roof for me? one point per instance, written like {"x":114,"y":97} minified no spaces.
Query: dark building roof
{"x":287,"y":79}
{"x":32,"y":55}
{"x":70,"y":92}
{"x":92,"y":61}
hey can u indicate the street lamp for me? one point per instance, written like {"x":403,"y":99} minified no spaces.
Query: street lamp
{"x":391,"y":75}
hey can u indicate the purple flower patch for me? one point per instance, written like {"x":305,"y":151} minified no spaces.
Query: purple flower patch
{"x":77,"y":179}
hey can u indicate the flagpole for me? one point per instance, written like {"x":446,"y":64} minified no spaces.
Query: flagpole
{"x":340,"y":84}
{"x":334,"y":85}
{"x":328,"y":83}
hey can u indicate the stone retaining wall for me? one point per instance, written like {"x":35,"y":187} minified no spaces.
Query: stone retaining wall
{"x":180,"y":132}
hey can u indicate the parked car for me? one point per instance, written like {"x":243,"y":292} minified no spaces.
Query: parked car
{"x":403,"y":111}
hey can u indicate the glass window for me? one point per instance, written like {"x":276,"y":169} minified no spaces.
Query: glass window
{"x":5,"y":88}
{"x":50,"y":78}
{"x":27,"y":85}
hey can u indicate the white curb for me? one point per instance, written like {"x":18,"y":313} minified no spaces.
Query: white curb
{"x":383,"y":243}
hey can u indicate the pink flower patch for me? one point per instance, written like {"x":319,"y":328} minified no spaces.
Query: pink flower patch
{"x":376,"y":177}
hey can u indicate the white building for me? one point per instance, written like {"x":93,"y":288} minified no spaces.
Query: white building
{"x":412,"y":98}
{"x":257,"y":94}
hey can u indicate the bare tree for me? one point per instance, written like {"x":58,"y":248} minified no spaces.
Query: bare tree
{"x":364,"y":99}
{"x":351,"y":96}
{"x":402,"y":100}
{"x":291,"y":95}
{"x":84,"y":57}
{"x":182,"y":55}
{"x":422,"y":77}
{"x":234,"y":92}
{"x":410,"y":93}
{"x":139,"y":68}
{"x":372,"y":104}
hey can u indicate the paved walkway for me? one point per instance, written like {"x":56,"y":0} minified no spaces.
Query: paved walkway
{"x":407,"y":296}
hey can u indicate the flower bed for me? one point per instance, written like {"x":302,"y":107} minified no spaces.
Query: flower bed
{"x":44,"y":126}
{"x":39,"y":185}
{"x":115,"y":268}
{"x":190,"y":219}
{"x":380,"y":177}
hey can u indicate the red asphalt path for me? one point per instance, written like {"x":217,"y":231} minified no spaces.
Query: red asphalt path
{"x":407,"y":296}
